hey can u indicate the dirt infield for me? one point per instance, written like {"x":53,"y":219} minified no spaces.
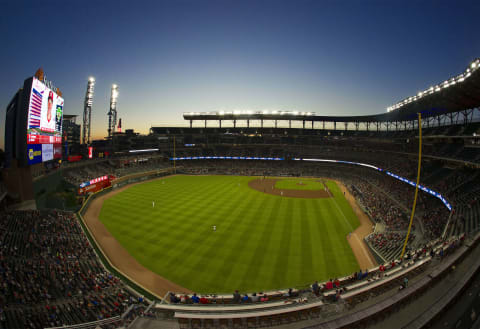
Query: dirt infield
{"x":362,"y":253}
{"x":268,"y":186}
{"x":119,"y":256}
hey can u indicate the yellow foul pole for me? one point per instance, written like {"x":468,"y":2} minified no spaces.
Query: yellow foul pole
{"x":418,"y":182}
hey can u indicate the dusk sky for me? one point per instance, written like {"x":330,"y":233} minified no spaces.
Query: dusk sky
{"x":169,"y":57}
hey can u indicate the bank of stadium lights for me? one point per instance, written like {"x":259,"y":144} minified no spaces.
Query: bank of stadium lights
{"x":112,"y":113}
{"x":249,"y":112}
{"x":87,"y":110}
{"x":437,"y":88}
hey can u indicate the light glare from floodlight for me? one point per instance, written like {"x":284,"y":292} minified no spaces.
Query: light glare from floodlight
{"x":445,"y":84}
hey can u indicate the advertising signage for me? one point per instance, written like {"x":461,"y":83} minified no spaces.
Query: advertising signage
{"x":34,"y":153}
{"x":95,"y":180}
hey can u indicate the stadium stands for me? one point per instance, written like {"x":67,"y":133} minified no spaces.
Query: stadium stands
{"x":51,"y":276}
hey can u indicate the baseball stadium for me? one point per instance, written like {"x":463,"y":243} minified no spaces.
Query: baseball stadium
{"x":242,"y":218}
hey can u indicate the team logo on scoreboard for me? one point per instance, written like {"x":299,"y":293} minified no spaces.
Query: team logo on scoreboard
{"x":30,"y":154}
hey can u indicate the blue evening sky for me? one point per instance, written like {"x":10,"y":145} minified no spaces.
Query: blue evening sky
{"x":169,"y":57}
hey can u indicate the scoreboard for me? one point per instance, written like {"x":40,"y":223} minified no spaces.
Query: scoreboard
{"x":44,"y":122}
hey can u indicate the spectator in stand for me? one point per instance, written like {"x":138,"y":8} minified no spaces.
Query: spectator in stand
{"x":381,"y":270}
{"x":236,"y":297}
{"x":336,"y":283}
{"x":184,"y":299}
{"x":255,"y":298}
{"x":264,"y":298}
{"x":174,"y":299}
{"x":292,"y":293}
{"x":365,"y":274}
{"x":316,"y":288}
{"x":329,"y":285}
{"x":245,"y":299}
{"x":359,"y":275}
{"x":195,"y":299}
{"x":204,"y":300}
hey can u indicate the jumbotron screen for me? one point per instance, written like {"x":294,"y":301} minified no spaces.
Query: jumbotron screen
{"x":44,"y":126}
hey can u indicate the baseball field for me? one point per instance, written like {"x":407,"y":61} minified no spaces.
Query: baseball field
{"x":221,"y":233}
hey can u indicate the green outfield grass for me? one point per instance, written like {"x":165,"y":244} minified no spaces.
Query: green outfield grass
{"x":262,"y":241}
{"x":299,"y":184}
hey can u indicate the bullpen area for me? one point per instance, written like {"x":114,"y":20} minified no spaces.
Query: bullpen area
{"x":216,"y":234}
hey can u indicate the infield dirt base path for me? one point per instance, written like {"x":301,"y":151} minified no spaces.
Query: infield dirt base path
{"x":362,"y":253}
{"x":119,"y":256}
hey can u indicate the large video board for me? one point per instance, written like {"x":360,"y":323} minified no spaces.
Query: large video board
{"x":44,"y":124}
{"x":45,"y":113}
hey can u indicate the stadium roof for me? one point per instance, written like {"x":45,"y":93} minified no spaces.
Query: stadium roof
{"x":456,"y":94}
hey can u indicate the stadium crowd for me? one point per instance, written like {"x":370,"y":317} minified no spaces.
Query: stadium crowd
{"x":50,"y":275}
{"x":389,"y":244}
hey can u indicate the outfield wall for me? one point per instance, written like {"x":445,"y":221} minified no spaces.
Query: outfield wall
{"x":140,"y":177}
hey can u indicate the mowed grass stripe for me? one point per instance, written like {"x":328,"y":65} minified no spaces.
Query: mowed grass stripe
{"x":319,"y":231}
{"x":279,"y":272}
{"x":263,"y":241}
{"x":215,"y":256}
{"x":267,"y":245}
{"x":244,"y":245}
{"x":305,"y":243}
{"x":295,"y":252}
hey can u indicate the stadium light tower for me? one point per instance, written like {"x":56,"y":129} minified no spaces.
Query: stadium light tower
{"x":112,"y":114}
{"x":87,"y":110}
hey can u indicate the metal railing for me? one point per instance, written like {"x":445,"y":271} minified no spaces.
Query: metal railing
{"x":88,"y":325}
